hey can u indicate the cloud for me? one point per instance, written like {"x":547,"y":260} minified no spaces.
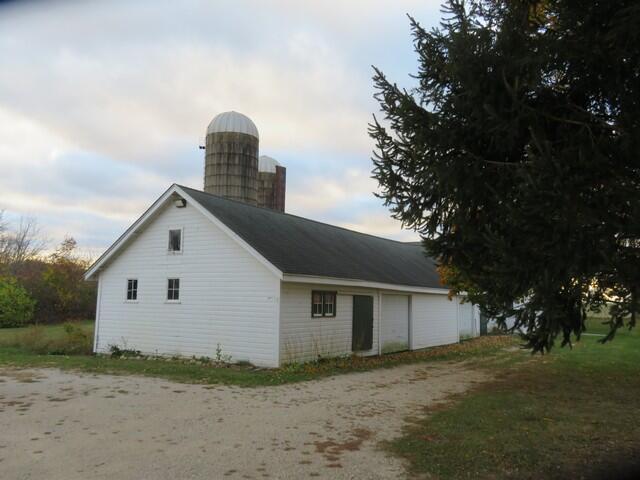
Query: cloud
{"x":325,"y":191}
{"x":167,"y":88}
{"x":103,"y":104}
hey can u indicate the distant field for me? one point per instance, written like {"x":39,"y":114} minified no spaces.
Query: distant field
{"x":9,"y":336}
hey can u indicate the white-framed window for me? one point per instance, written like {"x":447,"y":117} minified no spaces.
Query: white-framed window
{"x":173,"y":290}
{"x":132,"y":289}
{"x":316,"y":304}
{"x":175,"y":240}
{"x":329,"y":304}
{"x":323,"y":304}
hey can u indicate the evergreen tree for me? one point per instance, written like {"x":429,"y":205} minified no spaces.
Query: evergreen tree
{"x":517,"y":158}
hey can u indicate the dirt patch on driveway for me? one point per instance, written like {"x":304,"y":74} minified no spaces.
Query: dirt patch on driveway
{"x":76,"y":426}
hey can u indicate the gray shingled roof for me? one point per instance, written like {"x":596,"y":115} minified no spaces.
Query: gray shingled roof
{"x":300,"y":246}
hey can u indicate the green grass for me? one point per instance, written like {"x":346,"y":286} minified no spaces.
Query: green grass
{"x":569,"y":414}
{"x":70,"y":338}
{"x":55,"y":332}
{"x":16,"y":352}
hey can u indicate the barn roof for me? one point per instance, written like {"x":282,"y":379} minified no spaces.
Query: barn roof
{"x":299,"y":246}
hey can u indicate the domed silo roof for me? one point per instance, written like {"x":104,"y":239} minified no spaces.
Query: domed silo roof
{"x":267,"y":164}
{"x":232,"y":122}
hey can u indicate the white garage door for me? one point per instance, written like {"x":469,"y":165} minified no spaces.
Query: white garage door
{"x":394,"y":334}
{"x":434,"y":320}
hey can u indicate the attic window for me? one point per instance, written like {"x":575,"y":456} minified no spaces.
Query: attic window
{"x":323,"y":304}
{"x":175,"y":240}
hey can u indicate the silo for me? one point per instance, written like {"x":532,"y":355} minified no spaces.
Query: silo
{"x":231,"y":158}
{"x":272,"y":182}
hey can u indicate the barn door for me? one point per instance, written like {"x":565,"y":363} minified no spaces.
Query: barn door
{"x":395,"y":323}
{"x":362,"y":338}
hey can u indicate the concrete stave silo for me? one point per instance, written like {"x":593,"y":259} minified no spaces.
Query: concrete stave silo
{"x":231,"y":158}
{"x":272,"y":180}
{"x":233,"y":169}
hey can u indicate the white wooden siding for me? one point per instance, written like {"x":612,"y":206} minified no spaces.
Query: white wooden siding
{"x":304,"y":338}
{"x":227,"y":297}
{"x":434,"y":320}
{"x":394,"y":325}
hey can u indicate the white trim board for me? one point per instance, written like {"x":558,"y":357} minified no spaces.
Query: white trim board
{"x":361,"y":283}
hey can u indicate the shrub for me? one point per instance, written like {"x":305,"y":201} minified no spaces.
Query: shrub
{"x":220,"y":356}
{"x":117,"y":352}
{"x":16,"y":306}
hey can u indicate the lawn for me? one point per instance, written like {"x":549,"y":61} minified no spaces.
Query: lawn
{"x":54,"y":332}
{"x":16,"y":350}
{"x":569,"y":414}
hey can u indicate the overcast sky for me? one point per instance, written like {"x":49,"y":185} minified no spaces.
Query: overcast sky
{"x":103,"y":103}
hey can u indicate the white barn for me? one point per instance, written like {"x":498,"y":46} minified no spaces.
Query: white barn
{"x":198,"y":270}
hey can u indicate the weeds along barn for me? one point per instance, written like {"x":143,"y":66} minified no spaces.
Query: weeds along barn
{"x":227,"y":267}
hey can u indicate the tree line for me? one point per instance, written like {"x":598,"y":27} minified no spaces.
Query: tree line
{"x":37,"y":286}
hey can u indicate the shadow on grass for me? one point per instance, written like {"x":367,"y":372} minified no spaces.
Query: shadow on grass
{"x":569,"y":414}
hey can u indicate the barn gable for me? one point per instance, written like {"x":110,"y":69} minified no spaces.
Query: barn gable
{"x":226,"y":296}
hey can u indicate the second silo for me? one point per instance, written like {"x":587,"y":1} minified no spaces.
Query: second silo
{"x":272,"y":183}
{"x":231,"y":157}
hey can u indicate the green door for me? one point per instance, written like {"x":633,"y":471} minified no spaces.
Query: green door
{"x":362,"y":338}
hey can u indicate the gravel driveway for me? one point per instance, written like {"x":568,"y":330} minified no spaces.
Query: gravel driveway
{"x":61,"y":425}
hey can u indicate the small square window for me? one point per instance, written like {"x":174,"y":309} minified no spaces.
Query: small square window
{"x":132,"y":289}
{"x":173,"y":289}
{"x":175,"y":240}
{"x":323,"y":304}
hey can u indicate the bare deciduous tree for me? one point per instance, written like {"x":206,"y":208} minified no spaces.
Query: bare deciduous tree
{"x":21,"y":244}
{"x":3,"y":238}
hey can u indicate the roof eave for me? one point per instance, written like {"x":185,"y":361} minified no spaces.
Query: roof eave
{"x":128,"y":234}
{"x":351,"y":282}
